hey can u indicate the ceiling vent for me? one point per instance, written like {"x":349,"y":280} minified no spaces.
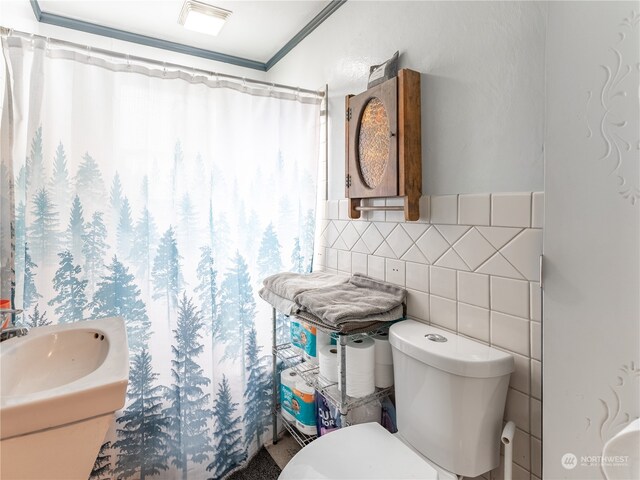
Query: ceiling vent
{"x":202,"y":17}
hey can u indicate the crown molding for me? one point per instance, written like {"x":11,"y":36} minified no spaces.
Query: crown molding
{"x":96,"y":29}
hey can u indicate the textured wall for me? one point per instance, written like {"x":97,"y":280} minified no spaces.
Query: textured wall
{"x":482,"y":85}
{"x":592,"y":231}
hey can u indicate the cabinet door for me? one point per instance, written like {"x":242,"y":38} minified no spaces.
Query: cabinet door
{"x":372,"y":142}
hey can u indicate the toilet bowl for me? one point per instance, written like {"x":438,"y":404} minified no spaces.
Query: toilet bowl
{"x":450,"y":397}
{"x":361,"y":452}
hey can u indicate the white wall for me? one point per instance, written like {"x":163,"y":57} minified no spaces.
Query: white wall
{"x":592,"y":231}
{"x":18,"y":14}
{"x":482,"y":85}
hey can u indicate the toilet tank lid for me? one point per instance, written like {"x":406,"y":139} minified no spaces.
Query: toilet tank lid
{"x":457,"y":355}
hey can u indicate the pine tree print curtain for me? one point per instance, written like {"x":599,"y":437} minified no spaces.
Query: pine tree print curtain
{"x":164,"y":198}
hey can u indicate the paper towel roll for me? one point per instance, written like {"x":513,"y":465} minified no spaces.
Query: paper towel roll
{"x":328,"y":360}
{"x":383,"y":349}
{"x":288,"y":379}
{"x":383,"y":375}
{"x":306,"y":408}
{"x":360,"y":371}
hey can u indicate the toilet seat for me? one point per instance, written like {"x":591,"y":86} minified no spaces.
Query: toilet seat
{"x":360,"y":452}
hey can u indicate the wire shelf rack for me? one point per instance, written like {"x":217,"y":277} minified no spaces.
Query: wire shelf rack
{"x":298,"y":436}
{"x":310,"y":372}
{"x":291,"y":356}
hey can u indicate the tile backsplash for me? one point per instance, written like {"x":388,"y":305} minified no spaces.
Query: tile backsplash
{"x":470,"y":265}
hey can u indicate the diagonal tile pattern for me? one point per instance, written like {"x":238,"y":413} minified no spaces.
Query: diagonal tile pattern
{"x":510,"y":252}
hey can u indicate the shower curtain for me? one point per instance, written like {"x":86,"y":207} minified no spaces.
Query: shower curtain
{"x":163,"y":197}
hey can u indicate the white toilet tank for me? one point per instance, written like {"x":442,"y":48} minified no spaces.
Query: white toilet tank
{"x":450,"y":396}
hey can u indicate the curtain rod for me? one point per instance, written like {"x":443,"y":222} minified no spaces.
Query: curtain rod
{"x":8,"y":32}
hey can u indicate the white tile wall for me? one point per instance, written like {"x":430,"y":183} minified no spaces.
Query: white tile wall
{"x":474,"y":322}
{"x":521,"y":377}
{"x":395,"y":271}
{"x":517,"y":409}
{"x":443,"y":282}
{"x":473,"y":288}
{"x":537,"y":210}
{"x":510,"y":332}
{"x":511,"y":209}
{"x":474,"y":209}
{"x":474,"y":270}
{"x":375,"y":267}
{"x":536,"y":379}
{"x":443,"y":312}
{"x":444,"y":209}
{"x":344,"y":261}
{"x":510,"y":296}
{"x":417,"y":276}
{"x":535,"y":296}
{"x":474,"y":249}
{"x":418,"y":304}
{"x":358,"y":263}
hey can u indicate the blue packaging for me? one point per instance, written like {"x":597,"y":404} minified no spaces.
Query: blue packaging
{"x":328,"y":417}
{"x":296,"y":330}
{"x":304,"y":407}
{"x":308,"y":339}
{"x":389,"y":415}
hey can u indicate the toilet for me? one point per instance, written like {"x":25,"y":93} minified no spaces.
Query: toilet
{"x":450,"y":395}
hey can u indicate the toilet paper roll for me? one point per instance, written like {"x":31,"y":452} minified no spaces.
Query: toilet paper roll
{"x":360,"y":368}
{"x":383,"y":375}
{"x":328,"y":361}
{"x":288,"y":379}
{"x":383,"y":348}
{"x":322,"y":338}
{"x":305,"y":408}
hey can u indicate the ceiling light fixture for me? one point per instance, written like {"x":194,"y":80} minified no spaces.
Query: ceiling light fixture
{"x":202,"y":17}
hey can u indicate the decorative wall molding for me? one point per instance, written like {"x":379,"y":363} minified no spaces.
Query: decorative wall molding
{"x":620,"y":86}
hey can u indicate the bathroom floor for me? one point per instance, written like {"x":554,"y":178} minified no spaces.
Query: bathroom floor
{"x":261,"y":467}
{"x":284,"y":450}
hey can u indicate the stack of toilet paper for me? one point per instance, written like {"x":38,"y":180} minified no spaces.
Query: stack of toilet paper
{"x":305,"y":407}
{"x":288,"y":379}
{"x":360,"y":368}
{"x":383,"y":361}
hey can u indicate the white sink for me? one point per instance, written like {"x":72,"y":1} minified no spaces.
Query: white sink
{"x":58,"y":377}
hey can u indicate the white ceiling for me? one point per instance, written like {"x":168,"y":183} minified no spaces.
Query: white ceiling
{"x":256,"y":30}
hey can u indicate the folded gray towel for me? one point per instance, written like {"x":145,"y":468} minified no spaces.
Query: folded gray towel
{"x":347,"y":328}
{"x":360,"y":299}
{"x":283,"y":305}
{"x":287,"y":284}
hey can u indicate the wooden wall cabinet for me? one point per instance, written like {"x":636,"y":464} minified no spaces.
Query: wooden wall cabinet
{"x":384,"y":144}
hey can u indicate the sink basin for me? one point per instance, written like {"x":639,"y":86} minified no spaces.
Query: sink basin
{"x":60,"y":374}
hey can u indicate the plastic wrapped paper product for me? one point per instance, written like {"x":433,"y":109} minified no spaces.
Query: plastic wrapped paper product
{"x":327,"y":416}
{"x":304,"y":407}
{"x":288,"y":379}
